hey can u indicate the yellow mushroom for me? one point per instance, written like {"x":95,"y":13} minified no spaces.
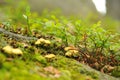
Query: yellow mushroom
{"x":17,"y":51}
{"x":71,"y":53}
{"x":41,"y":40}
{"x":50,"y":56}
{"x":70,"y":48}
{"x":37,"y":42}
{"x":7,"y":49}
{"x":47,"y":42}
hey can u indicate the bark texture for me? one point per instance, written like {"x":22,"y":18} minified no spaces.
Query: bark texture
{"x":113,"y":7}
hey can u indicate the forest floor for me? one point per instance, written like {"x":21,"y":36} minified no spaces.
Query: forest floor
{"x":41,"y":58}
{"x":50,"y":45}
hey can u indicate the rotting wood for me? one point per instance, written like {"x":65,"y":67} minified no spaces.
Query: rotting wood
{"x":17,"y":37}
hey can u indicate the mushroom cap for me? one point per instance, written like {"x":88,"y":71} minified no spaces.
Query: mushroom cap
{"x":50,"y":56}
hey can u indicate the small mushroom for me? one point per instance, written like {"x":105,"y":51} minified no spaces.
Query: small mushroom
{"x":70,"y":48}
{"x":47,"y":42}
{"x":71,"y":53}
{"x":37,"y":42}
{"x":41,"y":40}
{"x":17,"y":51}
{"x":9,"y":50}
{"x":50,"y":56}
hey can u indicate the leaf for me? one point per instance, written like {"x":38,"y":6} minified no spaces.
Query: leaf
{"x":78,"y":22}
{"x":28,"y":13}
{"x":53,"y":71}
{"x":49,"y":24}
{"x":26,"y":17}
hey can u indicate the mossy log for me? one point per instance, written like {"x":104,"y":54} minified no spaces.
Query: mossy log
{"x":17,"y":37}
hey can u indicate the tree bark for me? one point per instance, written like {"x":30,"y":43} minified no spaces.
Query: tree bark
{"x":17,"y":37}
{"x":113,"y":7}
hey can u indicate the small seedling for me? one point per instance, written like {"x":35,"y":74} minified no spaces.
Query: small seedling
{"x":27,"y":17}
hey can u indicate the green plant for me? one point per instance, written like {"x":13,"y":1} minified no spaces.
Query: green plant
{"x":7,"y":25}
{"x":99,"y":37}
{"x":78,"y":31}
{"x":40,"y":58}
{"x":57,"y":29}
{"x":27,"y":17}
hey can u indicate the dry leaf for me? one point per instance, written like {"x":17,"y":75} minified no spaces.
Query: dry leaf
{"x":53,"y":71}
{"x":96,"y":64}
{"x":110,"y":68}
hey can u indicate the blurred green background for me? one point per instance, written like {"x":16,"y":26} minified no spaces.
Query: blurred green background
{"x":85,"y":9}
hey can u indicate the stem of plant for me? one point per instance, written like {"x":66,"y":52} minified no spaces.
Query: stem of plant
{"x":66,"y":41}
{"x":28,"y":27}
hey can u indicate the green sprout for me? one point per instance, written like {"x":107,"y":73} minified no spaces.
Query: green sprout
{"x":26,"y":16}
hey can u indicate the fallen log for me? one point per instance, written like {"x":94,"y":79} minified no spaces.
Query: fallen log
{"x":17,"y":37}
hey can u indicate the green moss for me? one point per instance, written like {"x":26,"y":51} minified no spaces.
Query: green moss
{"x":40,"y":59}
{"x":61,"y":31}
{"x":2,"y":59}
{"x":71,"y":68}
{"x":116,"y":72}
